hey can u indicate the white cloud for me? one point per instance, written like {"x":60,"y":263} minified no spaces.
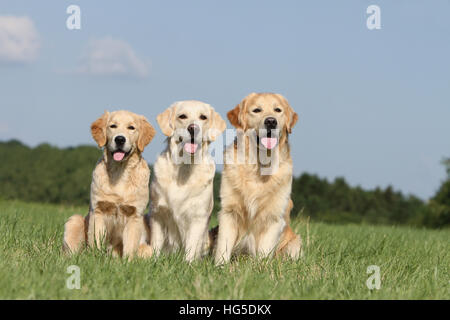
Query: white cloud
{"x":19,"y":40}
{"x":112,"y":57}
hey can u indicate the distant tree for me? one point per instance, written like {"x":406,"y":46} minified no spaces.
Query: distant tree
{"x":446,"y":163}
{"x":50,"y":174}
{"x":439,"y":205}
{"x":47,"y":173}
{"x":443,"y":194}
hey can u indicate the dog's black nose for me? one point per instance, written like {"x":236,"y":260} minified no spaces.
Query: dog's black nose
{"x":193,"y":129}
{"x":270,"y":123}
{"x":120,"y":140}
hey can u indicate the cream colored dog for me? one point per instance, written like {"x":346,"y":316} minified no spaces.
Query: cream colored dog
{"x":119,"y":189}
{"x":255,"y":193}
{"x":182,"y":188}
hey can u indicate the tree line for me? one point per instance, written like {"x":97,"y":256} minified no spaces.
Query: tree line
{"x":54,"y":175}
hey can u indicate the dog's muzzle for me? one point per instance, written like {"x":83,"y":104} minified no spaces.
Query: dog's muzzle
{"x":192,"y":145}
{"x":268,"y":139}
{"x":119,"y":154}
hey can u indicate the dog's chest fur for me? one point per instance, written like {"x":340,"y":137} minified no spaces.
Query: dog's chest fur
{"x":275,"y":187}
{"x":181,"y":187}
{"x":259,"y":196}
{"x":121,"y":185}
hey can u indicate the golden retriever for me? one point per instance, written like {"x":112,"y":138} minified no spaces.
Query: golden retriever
{"x":255,"y":192}
{"x":182,"y":188}
{"x":119,"y":189}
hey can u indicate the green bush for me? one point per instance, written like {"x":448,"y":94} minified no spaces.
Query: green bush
{"x":53,"y":175}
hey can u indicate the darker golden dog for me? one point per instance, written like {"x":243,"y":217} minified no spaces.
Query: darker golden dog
{"x":255,"y":192}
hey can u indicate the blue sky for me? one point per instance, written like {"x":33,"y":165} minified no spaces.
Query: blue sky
{"x":374,"y":105}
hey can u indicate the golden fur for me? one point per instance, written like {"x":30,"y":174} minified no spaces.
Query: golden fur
{"x":255,"y":207}
{"x":182,"y":191}
{"x":119,"y":189}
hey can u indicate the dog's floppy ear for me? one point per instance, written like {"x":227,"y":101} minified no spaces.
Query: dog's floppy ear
{"x":237,"y":115}
{"x":292,"y":116}
{"x":98,"y":129}
{"x":165,"y":120}
{"x":293,"y":120}
{"x":218,"y":125}
{"x":233,"y":117}
{"x":146,"y":133}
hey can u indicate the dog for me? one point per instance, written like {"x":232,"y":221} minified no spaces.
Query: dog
{"x":255,"y":195}
{"x":182,"y":189}
{"x":119,"y":190}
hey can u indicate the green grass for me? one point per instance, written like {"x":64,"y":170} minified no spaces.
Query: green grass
{"x":414,"y":265}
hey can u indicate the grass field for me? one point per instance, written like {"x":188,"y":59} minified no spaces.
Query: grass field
{"x":414,"y":264}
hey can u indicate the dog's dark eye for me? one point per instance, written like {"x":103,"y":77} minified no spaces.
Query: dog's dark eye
{"x":182,"y":116}
{"x":131,"y":128}
{"x":203,"y":117}
{"x":113,"y":126}
{"x":257,"y":110}
{"x":277,"y":110}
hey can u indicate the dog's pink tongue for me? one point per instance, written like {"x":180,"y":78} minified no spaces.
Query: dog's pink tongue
{"x":118,"y":156}
{"x":269,"y":143}
{"x":190,"y":147}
